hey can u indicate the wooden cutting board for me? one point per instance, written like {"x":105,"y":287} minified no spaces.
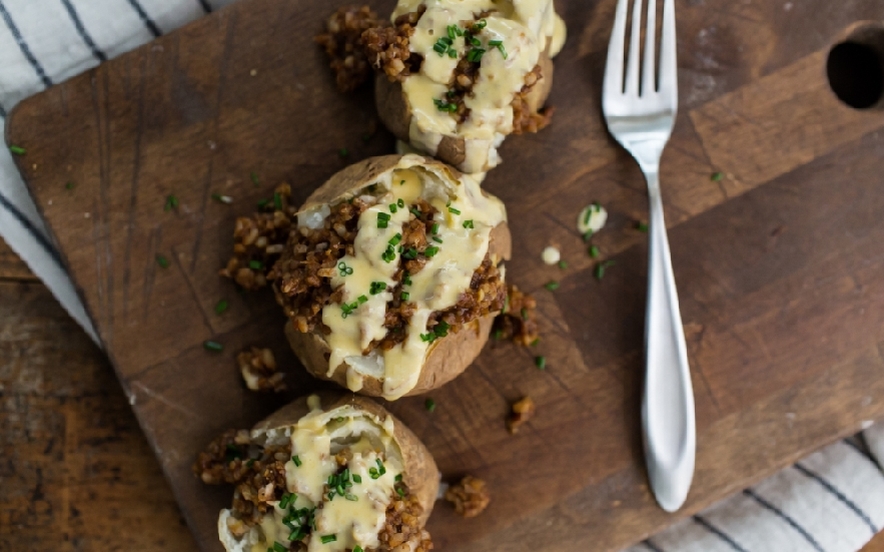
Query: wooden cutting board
{"x":778,"y":263}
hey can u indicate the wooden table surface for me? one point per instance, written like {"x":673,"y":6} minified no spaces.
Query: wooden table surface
{"x":77,"y":472}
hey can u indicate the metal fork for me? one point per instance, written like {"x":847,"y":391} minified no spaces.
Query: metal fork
{"x":640,"y":116}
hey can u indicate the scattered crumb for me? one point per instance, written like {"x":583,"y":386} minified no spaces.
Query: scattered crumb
{"x":522,"y":411}
{"x":518,"y":321}
{"x":551,"y":255}
{"x":259,"y":370}
{"x":469,"y":497}
{"x":86,"y":215}
{"x":253,"y":72}
{"x":342,"y":42}
{"x":591,"y":219}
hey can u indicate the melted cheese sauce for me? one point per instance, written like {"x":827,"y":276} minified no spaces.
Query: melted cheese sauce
{"x":525,"y":27}
{"x":436,"y":287}
{"x":316,"y":438}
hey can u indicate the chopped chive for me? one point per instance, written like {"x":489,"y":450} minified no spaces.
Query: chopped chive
{"x":398,"y":478}
{"x":401,"y":182}
{"x":435,"y":228}
{"x":468,"y":223}
{"x":497,"y":334}
{"x":222,"y":198}
{"x":453,"y":210}
{"x":524,"y":314}
{"x":377,"y":287}
{"x":284,"y":501}
{"x":594,"y":251}
{"x":357,"y":478}
{"x":717,"y":176}
{"x":430,"y":405}
{"x":600,"y":269}
{"x":254,"y":177}
{"x":480,"y":24}
{"x":263,"y":203}
{"x":393,"y":208}
{"x":325,"y":539}
{"x":343,"y":152}
{"x":452,"y":31}
{"x":499,"y":45}
{"x":641,"y":227}
{"x":475,"y":55}
{"x":437,"y":239}
{"x":441,"y":329}
{"x":405,"y":296}
{"x":540,"y":362}
{"x":401,"y":202}
{"x":213,"y":346}
{"x":277,"y":547}
{"x":400,"y":491}
{"x":395,"y":239}
{"x":362,"y":299}
{"x":358,"y":548}
{"x":427,"y":338}
{"x":587,"y":236}
{"x":381,"y":469}
{"x":277,"y":201}
{"x":171,"y":203}
{"x":221,"y":306}
{"x":383,"y":220}
{"x":17,"y":150}
{"x":351,"y":497}
{"x":297,"y":461}
{"x":563,"y":265}
{"x":69,"y":186}
{"x":416,"y":212}
{"x":452,"y":53}
{"x":431,"y":251}
{"x":389,"y":255}
{"x":440,"y":48}
{"x":475,"y":42}
{"x":344,"y":270}
{"x":535,"y":342}
{"x":162,"y":261}
{"x":495,"y":43}
{"x":406,"y":279}
{"x":551,"y":285}
{"x":410,"y":254}
{"x":256,"y":265}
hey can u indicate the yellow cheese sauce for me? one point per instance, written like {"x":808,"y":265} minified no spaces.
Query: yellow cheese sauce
{"x":524,"y":28}
{"x":356,"y":518}
{"x":467,"y":217}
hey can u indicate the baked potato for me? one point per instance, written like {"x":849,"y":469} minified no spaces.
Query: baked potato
{"x":458,"y":77}
{"x":328,"y":472}
{"x":393,"y":276}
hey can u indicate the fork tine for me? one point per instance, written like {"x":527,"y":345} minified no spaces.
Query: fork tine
{"x":613,"y":85}
{"x":634,"y":46}
{"x":668,"y":80}
{"x":649,"y":64}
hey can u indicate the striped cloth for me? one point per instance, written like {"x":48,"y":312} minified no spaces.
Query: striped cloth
{"x":831,"y":501}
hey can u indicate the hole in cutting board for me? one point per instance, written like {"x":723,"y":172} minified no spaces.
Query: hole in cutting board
{"x":855,"y":68}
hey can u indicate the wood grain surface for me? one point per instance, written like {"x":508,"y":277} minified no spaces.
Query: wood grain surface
{"x":777,"y":263}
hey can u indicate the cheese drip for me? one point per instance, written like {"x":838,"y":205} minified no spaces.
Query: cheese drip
{"x":436,"y":287}
{"x":525,"y":28}
{"x":316,"y":439}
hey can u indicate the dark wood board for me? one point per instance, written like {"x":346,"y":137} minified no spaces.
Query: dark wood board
{"x":777,"y":263}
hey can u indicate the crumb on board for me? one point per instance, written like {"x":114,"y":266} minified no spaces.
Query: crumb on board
{"x":551,"y":255}
{"x":591,"y":219}
{"x":518,"y":320}
{"x":259,"y":370}
{"x":470,"y":496}
{"x":522,"y":411}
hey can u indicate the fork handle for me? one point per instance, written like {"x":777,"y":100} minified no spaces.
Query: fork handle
{"x":668,"y":424}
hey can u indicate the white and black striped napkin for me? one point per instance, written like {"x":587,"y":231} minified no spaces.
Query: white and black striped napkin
{"x":831,"y":501}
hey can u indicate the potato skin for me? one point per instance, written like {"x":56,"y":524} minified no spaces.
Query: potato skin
{"x":449,"y":356}
{"x":421,"y":474}
{"x":395,"y":113}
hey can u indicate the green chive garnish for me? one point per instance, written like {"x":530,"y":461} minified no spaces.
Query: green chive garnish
{"x":452,"y":32}
{"x":393,"y":208}
{"x":171,"y":203}
{"x":400,"y":491}
{"x":254,"y":177}
{"x":256,"y":265}
{"x":405,"y":296}
{"x":221,"y":306}
{"x":401,"y":202}
{"x":395,"y":239}
{"x":351,"y":497}
{"x":551,"y":285}
{"x":277,"y":201}
{"x":383,"y":220}
{"x":431,"y":251}
{"x":594,"y":251}
{"x":524,"y":314}
{"x":468,"y":223}
{"x":435,"y":228}
{"x":641,"y":227}
{"x":453,"y":210}
{"x":358,"y":548}
{"x":452,"y":53}
{"x":325,"y":539}
{"x":389,"y":255}
{"x":717,"y":176}
{"x":213,"y":346}
{"x":540,"y":361}
{"x":362,"y":299}
{"x":377,"y":287}
{"x":17,"y":150}
{"x":600,"y":269}
{"x":398,"y":478}
{"x":162,"y":261}
{"x":357,"y":478}
{"x":277,"y":547}
{"x":430,"y":405}
{"x":343,"y":152}
{"x":69,"y":186}
{"x":563,"y":265}
{"x":297,"y":460}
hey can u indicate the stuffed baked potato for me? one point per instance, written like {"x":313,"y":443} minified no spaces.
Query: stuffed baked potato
{"x":392,"y":277}
{"x":328,"y":472}
{"x":459,"y":76}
